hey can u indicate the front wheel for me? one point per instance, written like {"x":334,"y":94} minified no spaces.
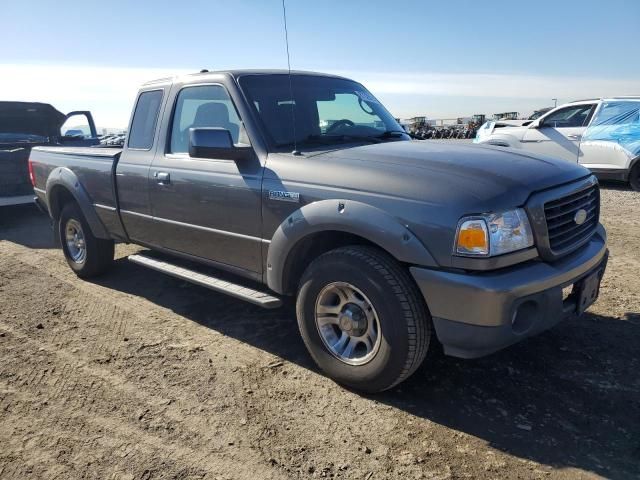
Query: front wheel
{"x":86,"y":255}
{"x":362,"y":318}
{"x":634,"y":177}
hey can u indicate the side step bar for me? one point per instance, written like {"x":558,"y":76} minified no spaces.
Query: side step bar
{"x":262,"y":299}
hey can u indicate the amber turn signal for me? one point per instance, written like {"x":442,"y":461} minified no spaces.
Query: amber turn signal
{"x":473,"y":238}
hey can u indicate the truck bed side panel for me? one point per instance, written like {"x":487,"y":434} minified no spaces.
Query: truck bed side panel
{"x":93,"y":169}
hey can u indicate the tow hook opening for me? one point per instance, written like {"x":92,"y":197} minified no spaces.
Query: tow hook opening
{"x":524,"y":316}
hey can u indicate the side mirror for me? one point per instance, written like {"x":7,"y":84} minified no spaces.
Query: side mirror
{"x":215,"y":143}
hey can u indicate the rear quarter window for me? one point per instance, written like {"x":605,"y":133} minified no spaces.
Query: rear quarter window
{"x":145,"y":118}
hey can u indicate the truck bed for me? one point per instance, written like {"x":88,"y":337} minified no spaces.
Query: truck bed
{"x":90,"y":165}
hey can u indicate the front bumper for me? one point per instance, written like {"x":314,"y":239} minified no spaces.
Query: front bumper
{"x":617,"y":174}
{"x":476,"y":314}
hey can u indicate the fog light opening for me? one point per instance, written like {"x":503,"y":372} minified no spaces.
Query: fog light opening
{"x":524,"y":316}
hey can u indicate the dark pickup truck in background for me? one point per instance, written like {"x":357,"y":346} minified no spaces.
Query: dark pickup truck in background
{"x":304,"y":185}
{"x":24,"y":125}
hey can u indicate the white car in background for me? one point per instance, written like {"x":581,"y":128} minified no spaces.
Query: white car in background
{"x":601,"y":134}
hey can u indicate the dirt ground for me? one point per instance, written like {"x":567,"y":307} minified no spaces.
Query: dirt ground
{"x":137,"y":376}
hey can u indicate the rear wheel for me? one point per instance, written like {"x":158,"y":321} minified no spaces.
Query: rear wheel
{"x":362,"y":318}
{"x":86,"y":255}
{"x":634,"y":177}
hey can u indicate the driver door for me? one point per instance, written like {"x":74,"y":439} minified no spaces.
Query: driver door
{"x":558,"y":134}
{"x":203,"y":207}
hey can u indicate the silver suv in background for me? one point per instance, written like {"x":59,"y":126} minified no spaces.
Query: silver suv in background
{"x":602,"y":135}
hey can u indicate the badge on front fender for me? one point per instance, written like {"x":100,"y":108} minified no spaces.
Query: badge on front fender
{"x":284,"y":196}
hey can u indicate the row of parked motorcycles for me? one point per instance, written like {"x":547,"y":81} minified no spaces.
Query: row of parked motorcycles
{"x":444,"y":133}
{"x":116,"y":140}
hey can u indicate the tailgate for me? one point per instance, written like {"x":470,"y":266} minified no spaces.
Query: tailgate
{"x":14,"y":172}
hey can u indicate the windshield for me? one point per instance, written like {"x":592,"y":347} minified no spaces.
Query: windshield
{"x":326,"y":110}
{"x":617,"y":121}
{"x":538,"y":113}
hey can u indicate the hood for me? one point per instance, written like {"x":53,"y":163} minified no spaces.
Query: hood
{"x":476,"y":178}
{"x":30,"y":118}
{"x":426,"y":185}
{"x":487,"y":129}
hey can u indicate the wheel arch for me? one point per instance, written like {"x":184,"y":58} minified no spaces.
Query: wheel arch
{"x":322,"y":226}
{"x":501,"y":139}
{"x":63,"y":186}
{"x":634,"y":168}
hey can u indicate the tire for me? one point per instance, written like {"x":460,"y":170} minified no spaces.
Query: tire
{"x":97,"y":254}
{"x":403,"y":322}
{"x":634,"y":177}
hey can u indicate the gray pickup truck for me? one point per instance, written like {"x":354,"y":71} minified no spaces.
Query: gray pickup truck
{"x":264,"y":184}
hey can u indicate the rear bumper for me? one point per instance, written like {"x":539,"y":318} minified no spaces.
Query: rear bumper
{"x":477,"y":314}
{"x":16,"y":200}
{"x":40,"y":204}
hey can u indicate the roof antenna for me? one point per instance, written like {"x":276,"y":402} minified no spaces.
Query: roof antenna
{"x":293,"y":102}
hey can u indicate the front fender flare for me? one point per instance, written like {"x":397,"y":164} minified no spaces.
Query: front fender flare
{"x":346,"y":216}
{"x":501,"y":140}
{"x":62,"y":177}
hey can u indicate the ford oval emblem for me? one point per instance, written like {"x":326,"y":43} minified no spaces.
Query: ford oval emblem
{"x":580,"y":216}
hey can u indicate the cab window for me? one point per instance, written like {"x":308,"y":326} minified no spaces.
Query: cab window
{"x":203,"y":106}
{"x":569,"y":117}
{"x":145,"y":117}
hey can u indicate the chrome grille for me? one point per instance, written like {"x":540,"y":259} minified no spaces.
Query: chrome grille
{"x":560,"y":214}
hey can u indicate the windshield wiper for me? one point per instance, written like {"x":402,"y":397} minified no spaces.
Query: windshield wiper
{"x":344,"y":137}
{"x":329,"y":140}
{"x":304,"y":141}
{"x":392,"y":134}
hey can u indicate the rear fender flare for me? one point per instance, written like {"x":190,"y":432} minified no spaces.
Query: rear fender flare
{"x":347,"y":216}
{"x":62,"y":177}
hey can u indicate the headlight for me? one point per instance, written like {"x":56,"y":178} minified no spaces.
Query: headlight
{"x":493,"y":234}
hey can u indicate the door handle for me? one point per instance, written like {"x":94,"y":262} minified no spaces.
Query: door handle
{"x":574,"y":137}
{"x":163,"y":178}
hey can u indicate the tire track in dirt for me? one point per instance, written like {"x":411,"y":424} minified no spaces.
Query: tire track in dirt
{"x":111,"y":400}
{"x":80,"y":430}
{"x":68,"y":381}
{"x":155,"y":316}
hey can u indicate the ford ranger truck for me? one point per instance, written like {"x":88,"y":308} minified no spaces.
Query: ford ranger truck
{"x":262,"y":185}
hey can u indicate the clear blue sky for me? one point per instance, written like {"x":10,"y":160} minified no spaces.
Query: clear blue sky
{"x":396,"y":46}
